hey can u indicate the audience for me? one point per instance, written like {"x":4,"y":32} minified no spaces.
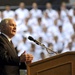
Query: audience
{"x":55,"y":29}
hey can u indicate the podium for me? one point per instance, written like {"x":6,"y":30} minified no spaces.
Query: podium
{"x":61,"y":64}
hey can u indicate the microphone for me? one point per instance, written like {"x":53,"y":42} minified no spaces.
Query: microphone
{"x":32,"y":39}
{"x":42,"y":45}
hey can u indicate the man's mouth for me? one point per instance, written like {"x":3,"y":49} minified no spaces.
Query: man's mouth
{"x":14,"y":30}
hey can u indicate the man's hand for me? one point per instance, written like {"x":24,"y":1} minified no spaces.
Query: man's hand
{"x":26,"y":58}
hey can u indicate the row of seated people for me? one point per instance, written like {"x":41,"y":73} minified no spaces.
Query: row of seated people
{"x":22,"y":12}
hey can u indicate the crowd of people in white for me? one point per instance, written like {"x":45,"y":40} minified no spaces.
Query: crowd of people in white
{"x":54,"y":28}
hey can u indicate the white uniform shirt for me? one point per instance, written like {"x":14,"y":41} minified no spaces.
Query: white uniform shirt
{"x":36,"y":13}
{"x":68,"y":50}
{"x":21,"y":28}
{"x":52,"y":14}
{"x":36,"y":54}
{"x":22,"y":13}
{"x":64,"y":14}
{"x":53,"y":29}
{"x":23,"y":47}
{"x":68,"y":28}
{"x":47,"y":22}
{"x":71,"y":12}
{"x":32,"y":21}
{"x":8,"y":14}
{"x":58,"y":46}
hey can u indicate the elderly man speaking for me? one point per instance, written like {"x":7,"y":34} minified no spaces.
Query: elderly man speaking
{"x":10,"y":63}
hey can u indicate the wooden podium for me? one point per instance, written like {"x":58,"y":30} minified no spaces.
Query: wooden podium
{"x":62,"y":64}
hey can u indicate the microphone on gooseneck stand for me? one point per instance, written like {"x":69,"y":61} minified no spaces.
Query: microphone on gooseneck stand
{"x":32,"y":39}
{"x":39,"y":43}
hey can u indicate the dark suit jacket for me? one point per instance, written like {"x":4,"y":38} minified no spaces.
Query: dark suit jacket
{"x":9,"y":60}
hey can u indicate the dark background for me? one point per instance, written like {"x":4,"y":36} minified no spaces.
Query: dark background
{"x":29,"y":2}
{"x":41,"y":3}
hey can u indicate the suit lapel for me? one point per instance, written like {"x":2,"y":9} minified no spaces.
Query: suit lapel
{"x":10,"y":49}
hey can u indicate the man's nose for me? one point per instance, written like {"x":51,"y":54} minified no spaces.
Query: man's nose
{"x":14,"y":27}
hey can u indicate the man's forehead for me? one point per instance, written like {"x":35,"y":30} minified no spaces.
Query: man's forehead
{"x":10,"y":21}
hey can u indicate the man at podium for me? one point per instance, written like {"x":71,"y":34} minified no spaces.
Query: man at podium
{"x":10,"y":63}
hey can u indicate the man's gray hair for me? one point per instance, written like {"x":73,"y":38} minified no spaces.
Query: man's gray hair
{"x":4,"y":22}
